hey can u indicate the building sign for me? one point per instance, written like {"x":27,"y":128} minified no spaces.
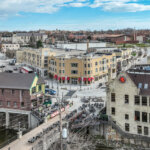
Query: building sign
{"x":122,"y":79}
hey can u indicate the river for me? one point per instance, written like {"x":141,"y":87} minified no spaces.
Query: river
{"x":6,"y":136}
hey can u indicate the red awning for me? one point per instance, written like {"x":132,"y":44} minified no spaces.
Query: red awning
{"x":55,"y":76}
{"x":68,"y":78}
{"x":92,"y":78}
{"x":79,"y":79}
{"x":89,"y":79}
{"x":63,"y":78}
{"x":84,"y":79}
{"x":58,"y":78}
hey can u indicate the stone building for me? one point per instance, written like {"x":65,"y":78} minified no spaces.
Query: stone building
{"x":128,"y":105}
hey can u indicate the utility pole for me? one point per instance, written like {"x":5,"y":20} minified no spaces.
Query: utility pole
{"x":80,"y":81}
{"x":60,"y":118}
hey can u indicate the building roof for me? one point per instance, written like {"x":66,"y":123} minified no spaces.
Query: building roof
{"x":29,"y":34}
{"x":17,"y":80}
{"x":142,"y":79}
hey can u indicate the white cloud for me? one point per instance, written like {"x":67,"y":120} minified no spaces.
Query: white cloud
{"x":78,"y":4}
{"x":120,"y":5}
{"x":14,"y":7}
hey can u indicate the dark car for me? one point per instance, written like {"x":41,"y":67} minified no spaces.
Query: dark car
{"x":32,"y":140}
{"x":8,"y":71}
{"x":15,"y":69}
{"x":2,"y":66}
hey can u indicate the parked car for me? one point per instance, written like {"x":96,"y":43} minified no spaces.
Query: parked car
{"x":15,"y":69}
{"x":2,"y":66}
{"x":50,"y":91}
{"x":8,"y":71}
{"x":32,"y":140}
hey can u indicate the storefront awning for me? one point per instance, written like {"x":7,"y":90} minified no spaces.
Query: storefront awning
{"x":89,"y":79}
{"x":55,"y":76}
{"x":79,"y":79}
{"x":63,"y":78}
{"x":84,"y":79}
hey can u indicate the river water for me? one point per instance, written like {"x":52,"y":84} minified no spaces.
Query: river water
{"x":6,"y":136}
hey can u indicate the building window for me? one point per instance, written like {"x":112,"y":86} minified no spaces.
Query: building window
{"x":2,"y":91}
{"x":144,"y":116}
{"x":126,"y":117}
{"x":113,"y":98}
{"x":126,"y":99}
{"x":85,"y":65}
{"x":59,"y":71}
{"x":113,"y":111}
{"x":137,"y":116}
{"x":13,"y":91}
{"x":1,"y":103}
{"x":40,"y":88}
{"x":145,"y":130}
{"x":146,"y":86}
{"x":88,"y":65}
{"x":88,"y":72}
{"x":96,"y":70}
{"x":137,"y":100}
{"x":85,"y":72}
{"x":140,"y":85}
{"x":95,"y":63}
{"x":22,"y":104}
{"x":74,"y":64}
{"x":74,"y":72}
{"x":139,"y":129}
{"x":114,"y":70}
{"x":15,"y":104}
{"x":127,"y":127}
{"x":8,"y":103}
{"x":144,"y":101}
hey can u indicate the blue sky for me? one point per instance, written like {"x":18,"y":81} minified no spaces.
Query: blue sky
{"x":74,"y":14}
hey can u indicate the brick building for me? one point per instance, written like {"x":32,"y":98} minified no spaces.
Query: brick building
{"x":19,"y":93}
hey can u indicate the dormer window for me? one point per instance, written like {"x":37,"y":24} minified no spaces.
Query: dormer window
{"x":140,"y":85}
{"x":145,"y":86}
